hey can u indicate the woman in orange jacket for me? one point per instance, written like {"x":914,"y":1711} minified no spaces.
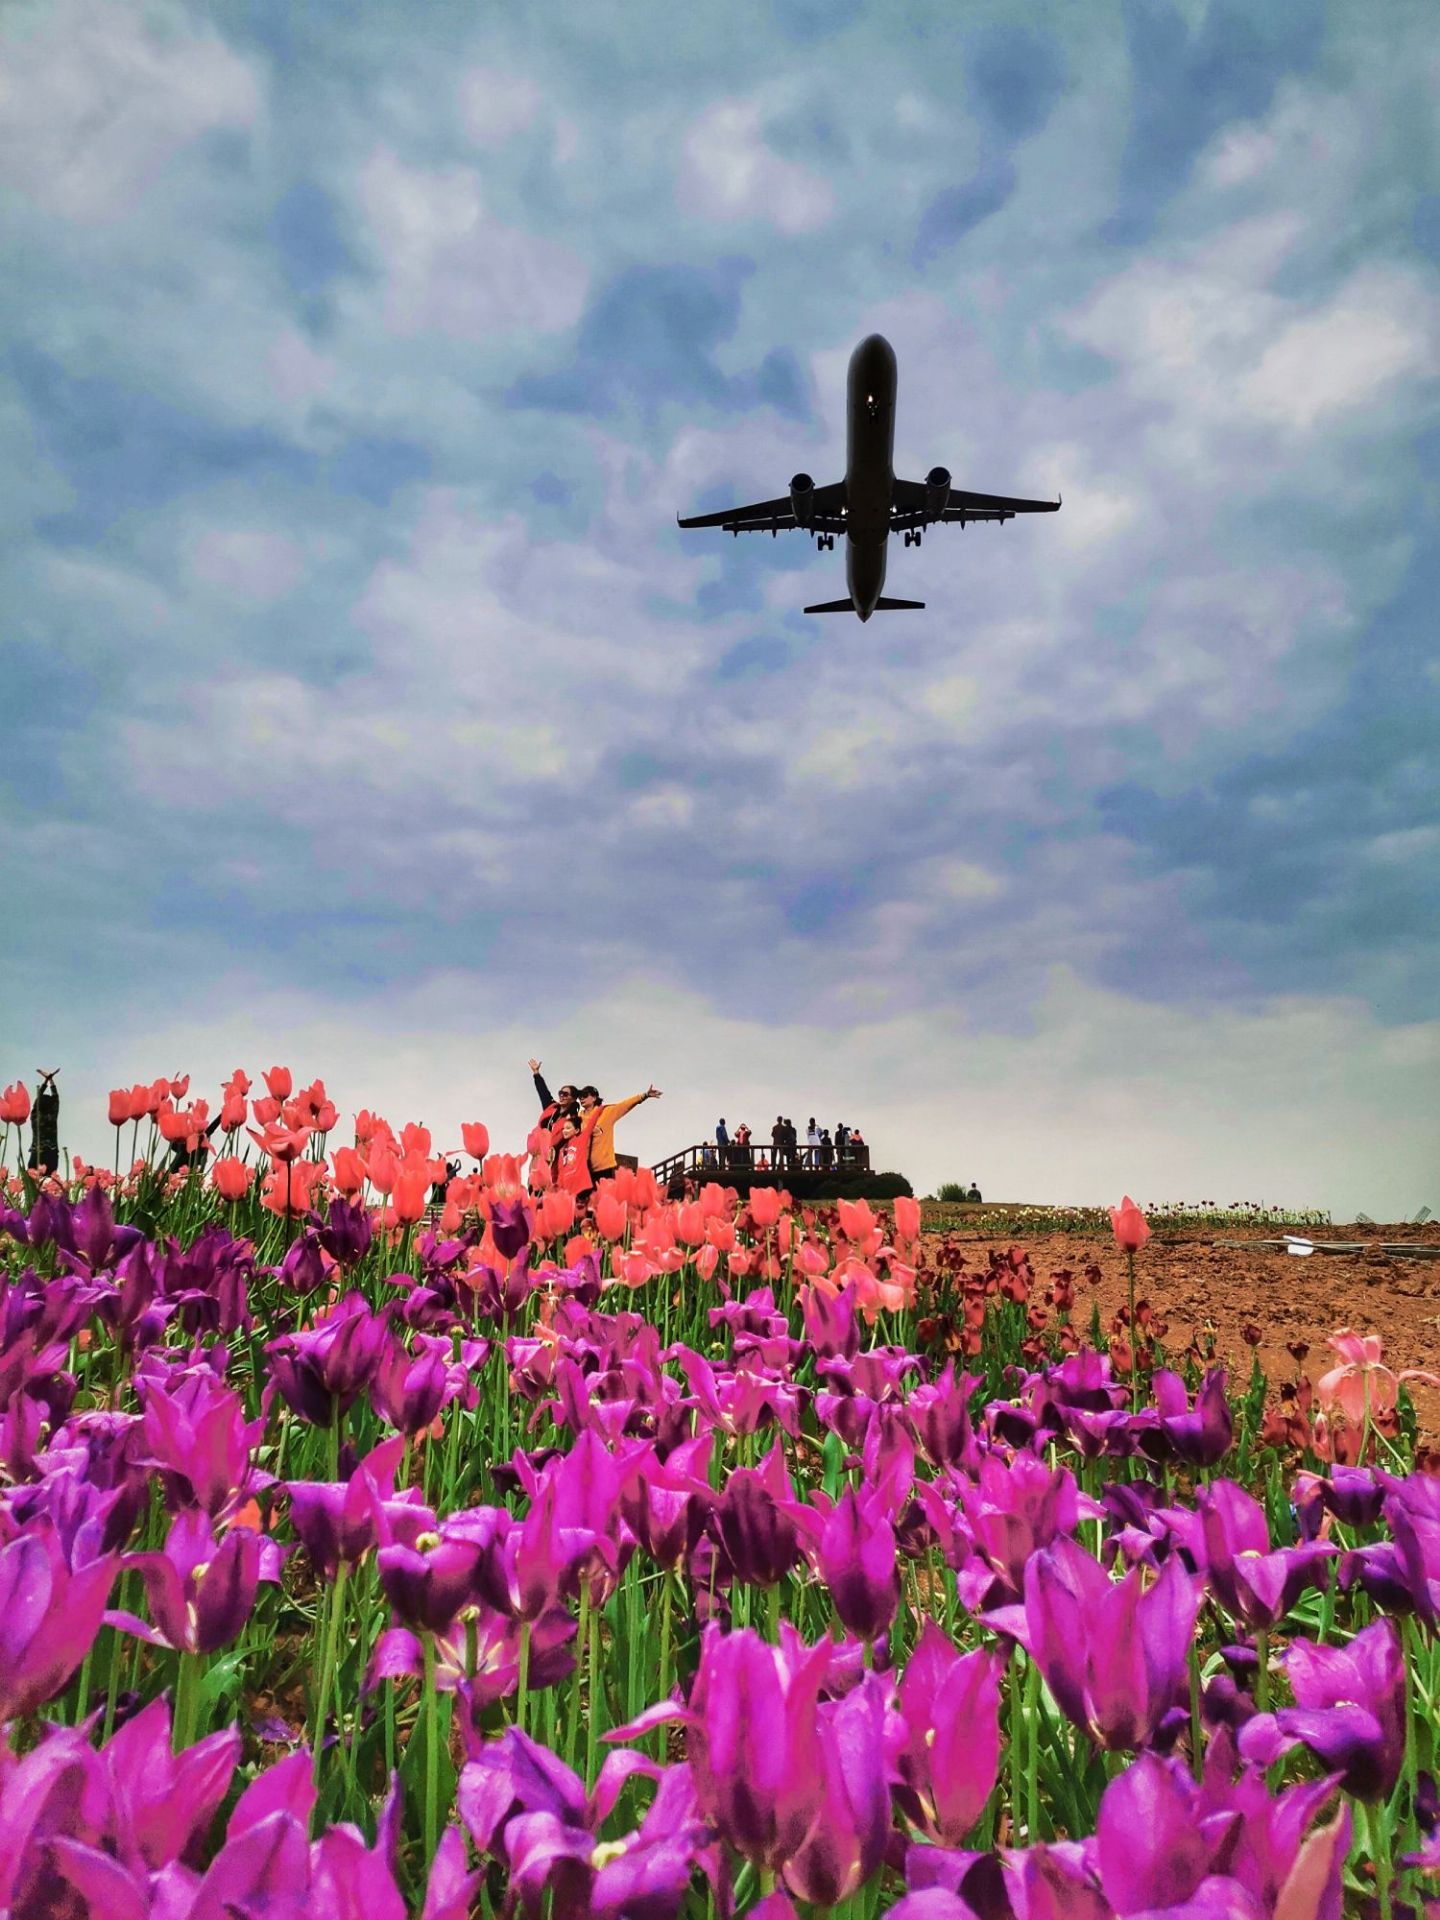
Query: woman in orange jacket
{"x":602,"y":1116}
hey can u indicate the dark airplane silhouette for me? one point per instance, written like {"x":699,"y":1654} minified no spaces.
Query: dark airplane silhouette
{"x":869,"y":504}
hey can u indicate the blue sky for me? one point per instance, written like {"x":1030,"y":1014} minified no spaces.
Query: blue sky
{"x":365,"y":708}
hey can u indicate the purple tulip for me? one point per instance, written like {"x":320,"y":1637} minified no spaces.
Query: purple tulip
{"x":1011,"y":1509}
{"x":162,"y":1803}
{"x":754,"y":1521}
{"x":754,"y":1742}
{"x":429,"y":1583}
{"x":846,"y":1841}
{"x":340,"y":1521}
{"x":195,"y":1429}
{"x":1349,"y":1710}
{"x":1173,"y":1430}
{"x":1251,"y":1581}
{"x":200,"y":1591}
{"x":855,"y":1556}
{"x":518,"y":1801}
{"x":940,"y":1419}
{"x":49,"y":1617}
{"x":1114,"y":1654}
{"x":327,"y":1368}
{"x":948,"y":1754}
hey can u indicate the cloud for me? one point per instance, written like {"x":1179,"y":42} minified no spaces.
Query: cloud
{"x":96,"y":101}
{"x":451,"y":268}
{"x":255,"y":565}
{"x":729,"y":173}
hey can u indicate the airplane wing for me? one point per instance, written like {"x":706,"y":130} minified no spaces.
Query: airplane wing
{"x":908,"y":504}
{"x":776,"y":516}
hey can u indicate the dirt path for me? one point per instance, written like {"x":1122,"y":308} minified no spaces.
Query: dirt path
{"x":1191,"y":1283}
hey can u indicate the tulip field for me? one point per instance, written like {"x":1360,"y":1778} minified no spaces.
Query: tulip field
{"x":362,"y":1558}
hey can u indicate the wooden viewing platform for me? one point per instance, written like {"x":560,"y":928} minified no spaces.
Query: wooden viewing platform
{"x":706,"y":1161}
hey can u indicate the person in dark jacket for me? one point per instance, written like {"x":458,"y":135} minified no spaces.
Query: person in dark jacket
{"x":45,"y":1123}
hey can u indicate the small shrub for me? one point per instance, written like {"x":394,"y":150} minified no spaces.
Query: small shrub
{"x":952,"y":1190}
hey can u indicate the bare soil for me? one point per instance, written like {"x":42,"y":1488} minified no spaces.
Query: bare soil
{"x":1194,"y":1284}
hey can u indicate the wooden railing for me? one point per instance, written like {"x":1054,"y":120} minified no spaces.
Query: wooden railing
{"x":707,"y":1161}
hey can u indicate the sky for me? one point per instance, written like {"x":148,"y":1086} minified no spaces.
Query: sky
{"x":365,"y":710}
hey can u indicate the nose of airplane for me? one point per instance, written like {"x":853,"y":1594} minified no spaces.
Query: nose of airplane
{"x":874,"y":356}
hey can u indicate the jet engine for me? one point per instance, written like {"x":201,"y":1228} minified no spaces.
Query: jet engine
{"x":937,"y":492}
{"x":802,"y":498}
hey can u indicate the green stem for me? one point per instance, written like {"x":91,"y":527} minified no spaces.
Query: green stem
{"x":522,"y":1684}
{"x":432,"y":1751}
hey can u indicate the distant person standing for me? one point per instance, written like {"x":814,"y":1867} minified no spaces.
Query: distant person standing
{"x":722,"y":1141}
{"x":742,"y":1144}
{"x":45,"y":1124}
{"x":812,"y":1140}
{"x":974,"y":1196}
{"x":777,"y":1142}
{"x":827,"y":1150}
{"x":842,"y":1141}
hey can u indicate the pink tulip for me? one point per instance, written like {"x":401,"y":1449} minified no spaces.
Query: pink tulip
{"x":476,"y":1139}
{"x":1361,"y":1387}
{"x":907,"y":1216}
{"x":1131,"y":1229}
{"x":15,"y":1104}
{"x":280,"y":1081}
{"x":119,"y":1111}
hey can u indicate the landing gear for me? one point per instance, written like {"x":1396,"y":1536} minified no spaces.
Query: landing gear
{"x":912,"y":536}
{"x":824,"y":542}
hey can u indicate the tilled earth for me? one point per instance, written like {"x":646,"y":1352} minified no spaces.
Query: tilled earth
{"x":1194,"y":1284}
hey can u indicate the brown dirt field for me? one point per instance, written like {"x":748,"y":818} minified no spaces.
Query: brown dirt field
{"x":1191,"y":1283}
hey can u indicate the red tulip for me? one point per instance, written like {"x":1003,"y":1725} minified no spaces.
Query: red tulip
{"x":476,"y":1139}
{"x":1131,"y":1230}
{"x":119,"y":1106}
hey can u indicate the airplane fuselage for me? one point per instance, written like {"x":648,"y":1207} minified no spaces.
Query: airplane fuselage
{"x":869,"y":469}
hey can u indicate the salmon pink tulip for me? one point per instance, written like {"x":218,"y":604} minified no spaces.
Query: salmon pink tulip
{"x":281,"y":1143}
{"x":1131,"y":1228}
{"x":476,"y":1139}
{"x":15,"y":1104}
{"x":119,"y":1107}
{"x":230,"y":1178}
{"x":267,"y":1111}
{"x":280,"y":1082}
{"x":411,"y":1195}
{"x":382,"y":1168}
{"x":907,"y":1217}
{"x":348,"y":1174}
{"x":766,"y":1205}
{"x":611,"y":1215}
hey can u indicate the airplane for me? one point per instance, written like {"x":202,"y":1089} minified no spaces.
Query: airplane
{"x":869,"y":504}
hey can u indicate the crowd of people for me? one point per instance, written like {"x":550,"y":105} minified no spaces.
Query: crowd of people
{"x":575,"y":1136}
{"x":823,"y":1149}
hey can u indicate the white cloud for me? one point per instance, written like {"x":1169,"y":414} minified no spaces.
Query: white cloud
{"x":451,"y":267}
{"x":97,"y":100}
{"x":1380,"y":328}
{"x":256,"y":565}
{"x":496,"y":105}
{"x":729,"y":173}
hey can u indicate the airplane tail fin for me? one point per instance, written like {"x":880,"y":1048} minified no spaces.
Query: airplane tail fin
{"x":882,"y":605}
{"x":847,"y":605}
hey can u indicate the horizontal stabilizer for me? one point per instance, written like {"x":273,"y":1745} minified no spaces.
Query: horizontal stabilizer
{"x":847,"y":605}
{"x":883,"y":605}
